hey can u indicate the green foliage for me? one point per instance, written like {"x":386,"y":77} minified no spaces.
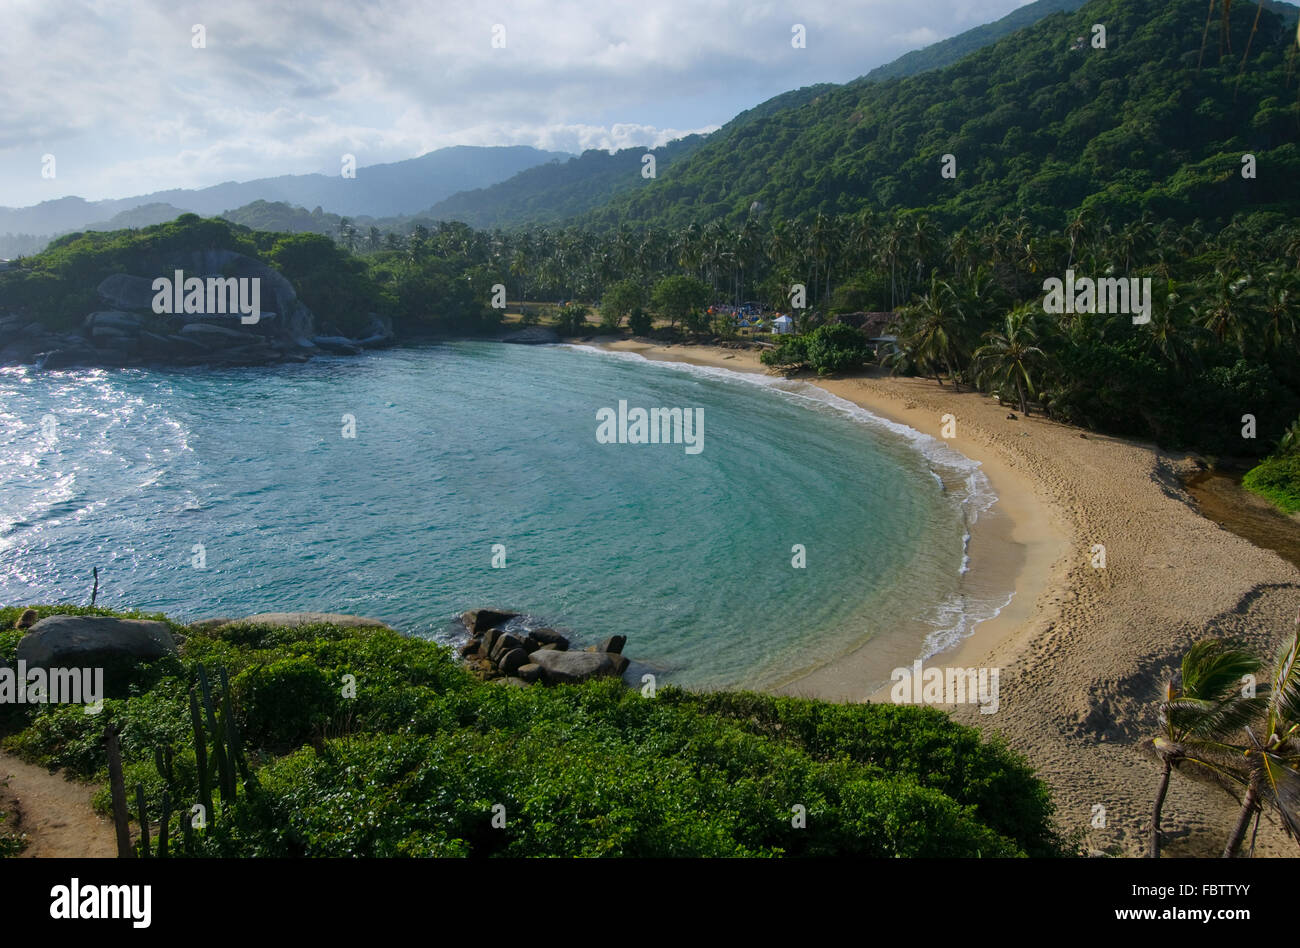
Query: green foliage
{"x":571,"y":320}
{"x":835,"y":348}
{"x":827,"y":350}
{"x":284,"y":702}
{"x":1037,"y":127}
{"x":621,"y":299}
{"x":678,"y":297}
{"x":1278,"y":479}
{"x":416,"y":763}
{"x":639,"y":321}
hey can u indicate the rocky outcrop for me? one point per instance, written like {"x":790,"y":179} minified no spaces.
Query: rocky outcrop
{"x":502,"y":645}
{"x":125,"y":331}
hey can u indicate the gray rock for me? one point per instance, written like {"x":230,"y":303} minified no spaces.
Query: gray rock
{"x":215,"y":334}
{"x":509,"y":682}
{"x":480,"y":620}
{"x":114,"y":319}
{"x":87,"y":641}
{"x":532,"y":336}
{"x":614,"y":644}
{"x":550,"y":637}
{"x":489,"y":640}
{"x":67,"y":358}
{"x":530,"y":673}
{"x":123,"y":291}
{"x":620,"y":661}
{"x":512,"y":661}
{"x":505,"y":643}
{"x":563,"y":668}
{"x":339,"y":344}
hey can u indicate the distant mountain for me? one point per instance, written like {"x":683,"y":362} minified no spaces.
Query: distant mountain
{"x":401,"y":187}
{"x":946,"y":52}
{"x":560,"y":190}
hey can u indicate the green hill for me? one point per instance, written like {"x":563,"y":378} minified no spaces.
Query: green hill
{"x":1036,"y":126}
{"x":560,"y":190}
{"x":948,"y":51}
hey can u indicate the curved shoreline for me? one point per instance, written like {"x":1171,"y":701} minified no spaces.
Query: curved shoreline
{"x":1083,"y":652}
{"x":1012,"y":545}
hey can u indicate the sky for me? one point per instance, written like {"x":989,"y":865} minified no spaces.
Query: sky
{"x":127,"y":100}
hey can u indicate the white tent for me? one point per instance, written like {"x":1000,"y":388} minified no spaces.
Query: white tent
{"x":782,"y":325}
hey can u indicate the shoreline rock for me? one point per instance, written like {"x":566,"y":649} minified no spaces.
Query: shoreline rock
{"x":501,"y":648}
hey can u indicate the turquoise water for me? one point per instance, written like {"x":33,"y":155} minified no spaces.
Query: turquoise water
{"x":463,"y":446}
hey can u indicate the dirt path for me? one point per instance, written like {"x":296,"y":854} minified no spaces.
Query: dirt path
{"x":55,"y":813}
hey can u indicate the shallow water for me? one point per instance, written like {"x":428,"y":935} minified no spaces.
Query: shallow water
{"x":460,"y":447}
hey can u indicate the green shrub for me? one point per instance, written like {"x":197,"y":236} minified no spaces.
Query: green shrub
{"x":284,"y":702}
{"x":640,"y":322}
{"x":1278,"y":479}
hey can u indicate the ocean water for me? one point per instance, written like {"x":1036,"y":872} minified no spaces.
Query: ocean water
{"x":460,"y":447}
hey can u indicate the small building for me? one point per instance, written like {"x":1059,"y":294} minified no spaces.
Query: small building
{"x":782,"y":325}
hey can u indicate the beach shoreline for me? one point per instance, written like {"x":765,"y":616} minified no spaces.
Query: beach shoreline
{"x":1083,"y":651}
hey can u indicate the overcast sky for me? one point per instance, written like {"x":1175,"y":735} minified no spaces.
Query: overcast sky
{"x":120,"y":96}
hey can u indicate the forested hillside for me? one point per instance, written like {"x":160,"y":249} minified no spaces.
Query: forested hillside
{"x":1034,"y":124}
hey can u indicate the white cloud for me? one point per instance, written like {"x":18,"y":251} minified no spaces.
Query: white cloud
{"x":116,"y":91}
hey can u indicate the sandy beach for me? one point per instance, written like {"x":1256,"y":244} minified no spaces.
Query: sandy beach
{"x":1083,"y":651}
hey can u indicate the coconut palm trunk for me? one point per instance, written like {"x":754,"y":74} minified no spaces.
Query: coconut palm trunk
{"x":1249,"y":805}
{"x":1153,"y":843}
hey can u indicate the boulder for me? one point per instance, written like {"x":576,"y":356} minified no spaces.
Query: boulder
{"x":339,"y":344}
{"x":489,"y":640}
{"x":505,"y":643}
{"x":480,"y":620}
{"x":532,"y":336}
{"x":530,"y":673}
{"x":470,"y":648}
{"x":512,"y":661}
{"x":620,"y":661}
{"x":203,"y":625}
{"x":90,"y":641}
{"x":67,"y":358}
{"x":510,"y":682}
{"x":613,"y":644}
{"x":115,"y":320}
{"x":565,"y":668}
{"x":123,"y":291}
{"x":550,"y":637}
{"x":213,"y":334}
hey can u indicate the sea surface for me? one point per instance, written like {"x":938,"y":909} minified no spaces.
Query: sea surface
{"x":202,"y":492}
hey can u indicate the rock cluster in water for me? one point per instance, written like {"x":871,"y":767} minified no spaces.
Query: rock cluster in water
{"x":501,"y":650}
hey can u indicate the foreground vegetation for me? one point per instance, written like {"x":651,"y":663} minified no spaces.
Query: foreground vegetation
{"x":1234,"y":718}
{"x":417,"y":761}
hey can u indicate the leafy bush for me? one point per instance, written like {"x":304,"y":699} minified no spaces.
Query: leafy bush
{"x":836,"y":348}
{"x":1278,"y":479}
{"x":640,"y":322}
{"x":284,"y":702}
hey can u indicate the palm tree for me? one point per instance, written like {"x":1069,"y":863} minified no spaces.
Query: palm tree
{"x":1272,"y":752}
{"x":931,"y":330}
{"x":1198,"y":712}
{"x":1011,"y":356}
